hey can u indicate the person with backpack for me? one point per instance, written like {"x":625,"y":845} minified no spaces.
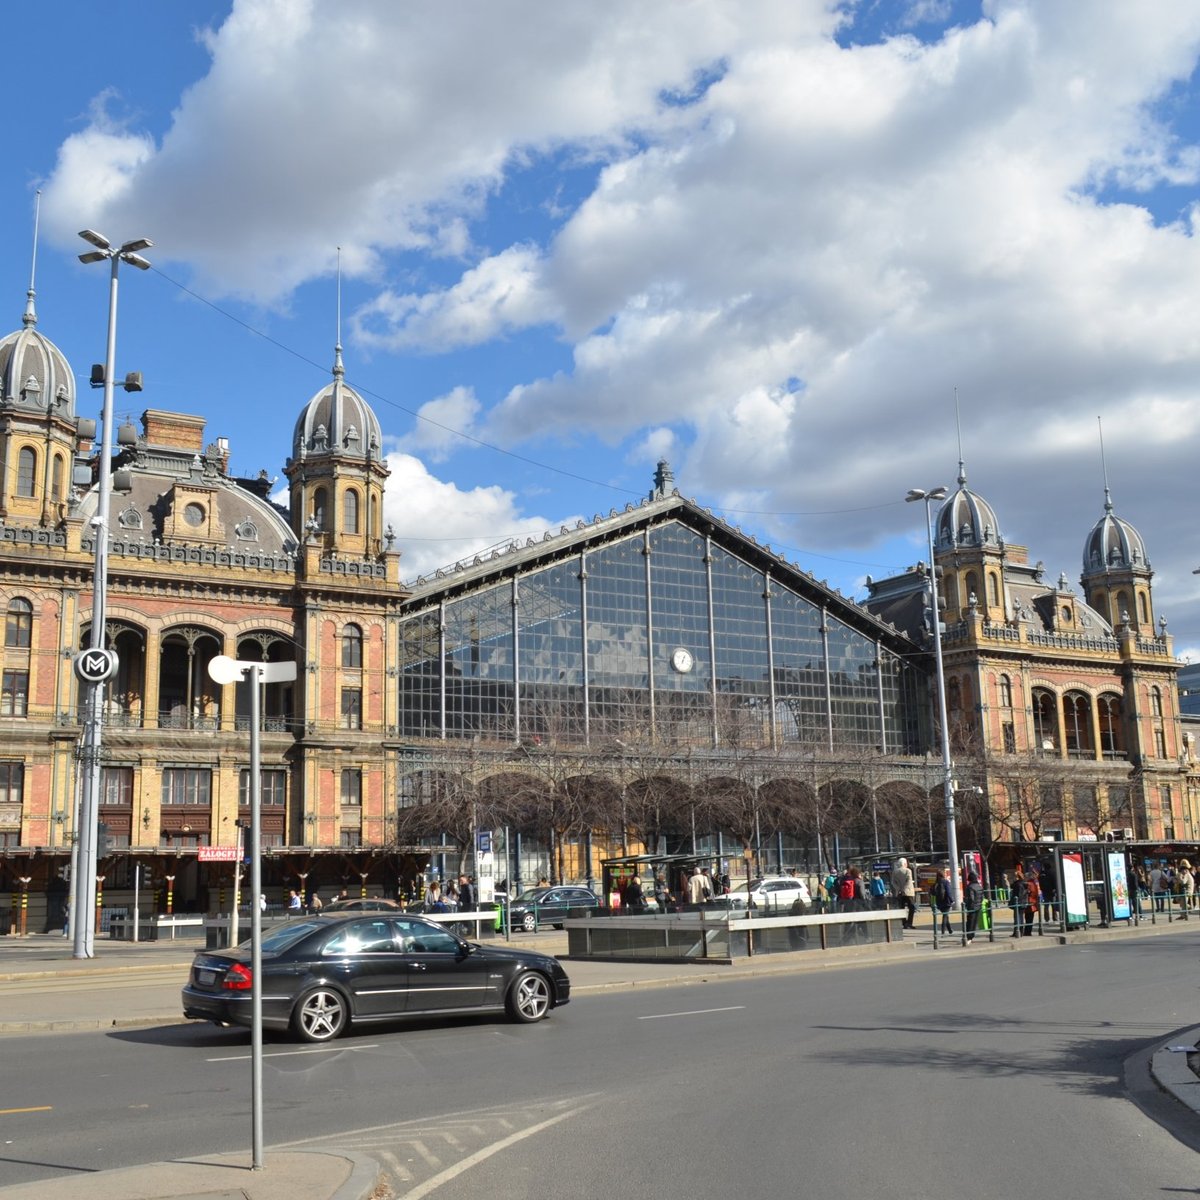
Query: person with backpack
{"x":878,"y":892}
{"x":904,"y":889}
{"x":849,"y":891}
{"x":943,"y":899}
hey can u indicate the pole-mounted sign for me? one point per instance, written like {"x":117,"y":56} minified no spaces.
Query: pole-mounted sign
{"x":225,"y":670}
{"x":96,"y":665}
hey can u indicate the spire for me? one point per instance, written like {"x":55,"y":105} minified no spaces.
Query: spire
{"x":1108,"y":504}
{"x":962,"y":470}
{"x":29,"y":319}
{"x":338,"y":369}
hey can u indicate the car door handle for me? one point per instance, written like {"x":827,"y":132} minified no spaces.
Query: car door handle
{"x":418,"y":966}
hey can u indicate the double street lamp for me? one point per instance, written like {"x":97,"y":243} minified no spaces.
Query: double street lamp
{"x":83,"y":914}
{"x":929,"y":496}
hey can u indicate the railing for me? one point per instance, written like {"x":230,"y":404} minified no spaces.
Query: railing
{"x":170,"y":719}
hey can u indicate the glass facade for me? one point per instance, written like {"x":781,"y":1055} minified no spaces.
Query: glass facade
{"x":660,"y":634}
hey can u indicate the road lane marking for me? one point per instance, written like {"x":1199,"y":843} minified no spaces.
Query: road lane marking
{"x":5,"y":1112}
{"x":291,"y":1053}
{"x":431,"y":1185}
{"x":695,"y":1012}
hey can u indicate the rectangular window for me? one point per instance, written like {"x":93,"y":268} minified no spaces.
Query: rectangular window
{"x":12,"y":782}
{"x":116,"y":786}
{"x":9,"y":837}
{"x":186,"y":785}
{"x":14,"y":699}
{"x":351,"y":708}
{"x":1010,"y":738}
{"x":352,"y":787}
{"x":351,"y":837}
{"x":273,"y":788}
{"x":1160,"y":743}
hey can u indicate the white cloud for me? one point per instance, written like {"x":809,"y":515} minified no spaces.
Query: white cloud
{"x":438,"y":524}
{"x":789,"y":274}
{"x":440,"y":422}
{"x":501,"y":294}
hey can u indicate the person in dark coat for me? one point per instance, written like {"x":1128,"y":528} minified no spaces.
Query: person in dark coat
{"x":634,"y":898}
{"x":972,"y":904}
{"x":943,"y":899}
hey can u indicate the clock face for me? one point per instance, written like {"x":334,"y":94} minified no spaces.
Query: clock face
{"x":681,"y":660}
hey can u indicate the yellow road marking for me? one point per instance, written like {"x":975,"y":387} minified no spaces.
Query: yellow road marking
{"x":4,"y":1112}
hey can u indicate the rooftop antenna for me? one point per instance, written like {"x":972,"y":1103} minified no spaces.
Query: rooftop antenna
{"x":30,"y":316}
{"x":1108,"y":505}
{"x":338,"y":369}
{"x":962,"y":470}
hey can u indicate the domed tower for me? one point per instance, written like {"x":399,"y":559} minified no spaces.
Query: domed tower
{"x":970,"y":551}
{"x":37,"y":425}
{"x":337,"y":470}
{"x":1116,"y":572}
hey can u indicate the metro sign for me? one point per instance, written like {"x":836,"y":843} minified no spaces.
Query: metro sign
{"x":95,"y":665}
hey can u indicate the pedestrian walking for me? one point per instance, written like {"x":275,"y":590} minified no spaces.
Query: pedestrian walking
{"x":904,"y":888}
{"x":1032,"y":899}
{"x":972,"y":905}
{"x":943,"y":899}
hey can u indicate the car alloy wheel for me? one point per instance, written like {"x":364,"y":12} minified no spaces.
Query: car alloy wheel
{"x":529,"y":997}
{"x":529,"y":922}
{"x":320,"y":1016}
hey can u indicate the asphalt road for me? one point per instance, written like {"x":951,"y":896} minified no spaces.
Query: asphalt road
{"x":992,"y":1075}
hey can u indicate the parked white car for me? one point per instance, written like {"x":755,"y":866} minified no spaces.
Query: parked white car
{"x":777,"y":892}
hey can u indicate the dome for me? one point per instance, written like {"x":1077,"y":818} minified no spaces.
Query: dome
{"x":337,"y":421}
{"x":35,"y":376}
{"x":1113,"y":545}
{"x":966,"y":519}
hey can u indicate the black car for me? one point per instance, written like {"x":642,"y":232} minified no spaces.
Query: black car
{"x":551,"y":906}
{"x":322,"y":972}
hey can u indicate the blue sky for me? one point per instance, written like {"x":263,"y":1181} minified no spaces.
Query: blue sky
{"x":766,"y":240}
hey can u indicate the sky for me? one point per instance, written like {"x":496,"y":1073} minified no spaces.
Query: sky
{"x":802,"y":250}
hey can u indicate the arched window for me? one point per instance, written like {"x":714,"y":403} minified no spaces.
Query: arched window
{"x":26,"y":471}
{"x":1077,"y":724}
{"x":1143,"y":608}
{"x":1156,"y":709}
{"x":993,"y":589}
{"x":18,"y":624}
{"x":971,"y":588}
{"x":56,"y":478}
{"x":953,"y":695}
{"x":1120,"y":608}
{"x":352,"y":647}
{"x":319,"y":502}
{"x":1045,"y":722}
{"x":1005,"y":692}
{"x":1108,"y":709}
{"x":350,"y":511}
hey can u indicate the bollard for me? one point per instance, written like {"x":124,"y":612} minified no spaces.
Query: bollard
{"x":99,"y":900}
{"x":24,"y":926}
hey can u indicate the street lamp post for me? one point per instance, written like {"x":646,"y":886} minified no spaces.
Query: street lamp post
{"x":932,"y":494}
{"x":84,"y":882}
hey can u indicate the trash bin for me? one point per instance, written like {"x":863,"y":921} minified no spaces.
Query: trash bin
{"x":985,"y":915}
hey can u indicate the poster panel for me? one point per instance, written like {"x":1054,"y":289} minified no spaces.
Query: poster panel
{"x":1118,"y":888}
{"x":1074,"y":893}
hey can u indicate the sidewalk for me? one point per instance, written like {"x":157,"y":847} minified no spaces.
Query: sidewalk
{"x":44,"y":990}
